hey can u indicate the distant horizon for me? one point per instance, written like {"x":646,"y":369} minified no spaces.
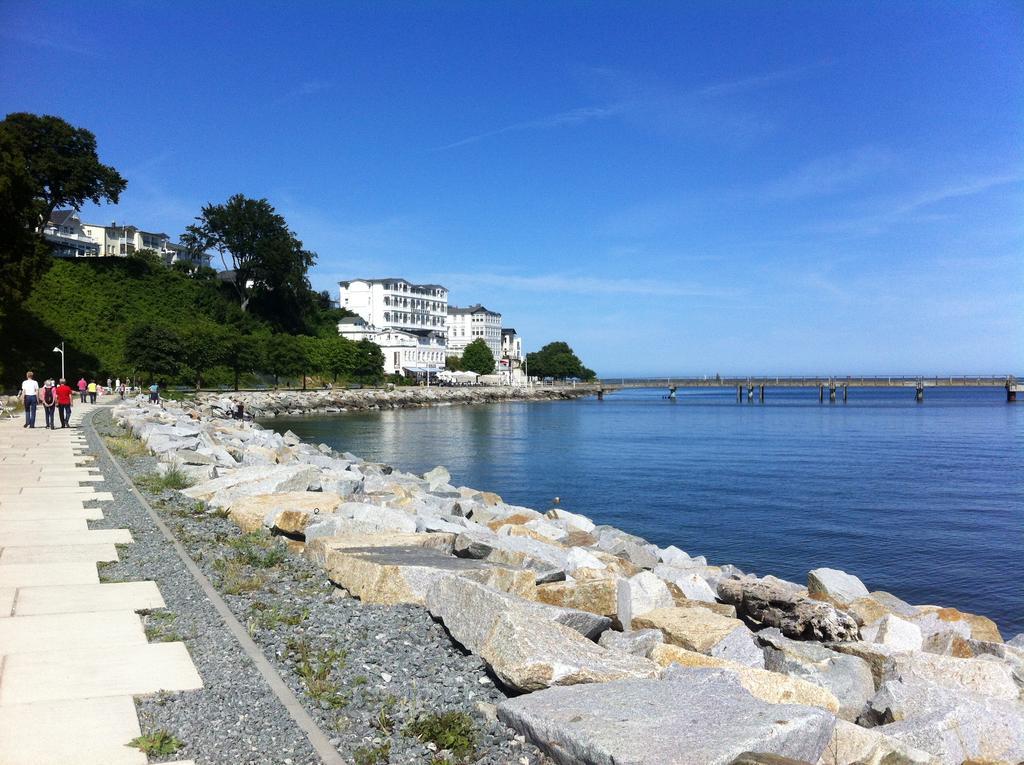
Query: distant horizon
{"x":840,"y":186}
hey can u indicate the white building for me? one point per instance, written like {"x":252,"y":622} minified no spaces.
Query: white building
{"x":67,"y":236}
{"x":396,"y":303}
{"x":468,"y":324}
{"x":405,"y":352}
{"x":511,"y":344}
{"x":73,"y":239}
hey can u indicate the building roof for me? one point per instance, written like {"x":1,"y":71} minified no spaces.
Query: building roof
{"x":508,"y":331}
{"x":60,"y":217}
{"x":355,"y":320}
{"x":397,"y":280}
{"x":452,"y":309}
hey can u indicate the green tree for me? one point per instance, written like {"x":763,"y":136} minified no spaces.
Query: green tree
{"x":559,"y":361}
{"x":285,"y":356}
{"x":477,"y":357}
{"x":339,"y":356}
{"x":368,"y":362}
{"x":242,"y":353}
{"x":453,"y":363}
{"x":154,"y":349}
{"x":268,"y":260}
{"x":61,"y":163}
{"x":203,"y":347}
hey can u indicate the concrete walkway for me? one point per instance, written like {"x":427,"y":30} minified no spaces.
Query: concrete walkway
{"x":73,"y":652}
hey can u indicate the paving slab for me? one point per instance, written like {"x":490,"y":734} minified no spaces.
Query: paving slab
{"x":45,"y":574}
{"x":42,"y":524}
{"x":107,"y":596}
{"x":135,"y":670}
{"x":49,"y":538}
{"x":46,"y":511}
{"x":58,"y":554}
{"x":66,"y":631}
{"x":80,"y":731}
{"x":7,"y":603}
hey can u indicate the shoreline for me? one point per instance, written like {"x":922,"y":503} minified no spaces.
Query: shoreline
{"x":557,"y":606}
{"x":267,"y":404}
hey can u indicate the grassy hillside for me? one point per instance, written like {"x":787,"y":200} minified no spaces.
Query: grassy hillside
{"x":93,"y":305}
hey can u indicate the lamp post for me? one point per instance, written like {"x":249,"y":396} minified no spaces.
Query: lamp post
{"x":61,"y":352}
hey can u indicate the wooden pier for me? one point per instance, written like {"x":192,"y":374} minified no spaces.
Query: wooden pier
{"x":754,"y":388}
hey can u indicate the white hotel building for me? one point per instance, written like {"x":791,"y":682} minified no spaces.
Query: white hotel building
{"x":468,"y":324}
{"x":406,"y":320}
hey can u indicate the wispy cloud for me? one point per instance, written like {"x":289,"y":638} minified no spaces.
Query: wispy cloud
{"x":915,"y":206}
{"x":57,"y":42}
{"x":585,"y":285}
{"x":637,"y":98}
{"x":568,"y":117}
{"x":832,"y":174}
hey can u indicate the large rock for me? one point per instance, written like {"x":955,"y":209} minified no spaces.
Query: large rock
{"x":775,"y":605}
{"x":636,"y":642}
{"x":640,"y":594}
{"x":848,"y":678}
{"x":470,"y":610}
{"x":528,"y":653}
{"x":895,"y":632}
{"x":853,"y":745}
{"x":979,"y":676}
{"x":597,"y":596}
{"x":547,"y":560}
{"x":876,"y":655}
{"x":288,"y":512}
{"x":953,"y":726}
{"x":703,"y":716}
{"x":572,"y":520}
{"x":870,"y":609}
{"x":223,"y":491}
{"x":767,"y":686}
{"x":692,"y":585}
{"x":704,"y":631}
{"x":319,"y":550}
{"x":932,"y":619}
{"x":835,"y":586}
{"x":361,"y":518}
{"x":392,"y":575}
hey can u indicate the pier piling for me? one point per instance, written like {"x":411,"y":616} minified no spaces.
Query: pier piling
{"x":919,"y":393}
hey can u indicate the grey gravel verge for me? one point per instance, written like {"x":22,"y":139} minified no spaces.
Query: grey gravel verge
{"x":386,"y":665}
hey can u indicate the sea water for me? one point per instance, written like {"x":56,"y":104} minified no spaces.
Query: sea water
{"x":923,"y":500}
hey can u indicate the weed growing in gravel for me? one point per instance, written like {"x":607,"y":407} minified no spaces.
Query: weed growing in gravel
{"x":376,"y":755}
{"x":125,"y":447}
{"x":314,"y":667}
{"x":452,"y":731}
{"x":197,"y":510}
{"x":157,"y":742}
{"x":269,"y":617}
{"x":155,"y":483}
{"x":384,"y":722}
{"x":103,"y":569}
{"x":257,"y":550}
{"x":234,"y":579}
{"x":159,"y":627}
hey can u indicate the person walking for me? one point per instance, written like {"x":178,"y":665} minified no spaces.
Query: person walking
{"x":110,"y":384}
{"x":154,"y":393}
{"x":83,"y":389}
{"x":29,"y":396}
{"x":64,"y":398}
{"x":48,"y":398}
{"x":120,"y":389}
{"x":92,"y":392}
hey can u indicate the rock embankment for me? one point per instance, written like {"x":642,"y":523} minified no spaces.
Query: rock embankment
{"x":623,"y":651}
{"x":263,"y":404}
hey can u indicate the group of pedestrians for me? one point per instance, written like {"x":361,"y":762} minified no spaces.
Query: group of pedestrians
{"x":52,"y":397}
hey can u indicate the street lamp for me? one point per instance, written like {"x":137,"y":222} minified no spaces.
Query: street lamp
{"x":61,"y":352}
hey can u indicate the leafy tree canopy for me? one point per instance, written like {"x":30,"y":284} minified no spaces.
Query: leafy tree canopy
{"x":477,"y":357}
{"x":559,"y":361}
{"x":61,"y":163}
{"x":268,"y":260}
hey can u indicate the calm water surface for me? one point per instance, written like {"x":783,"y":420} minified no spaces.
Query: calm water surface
{"x":925,"y":501}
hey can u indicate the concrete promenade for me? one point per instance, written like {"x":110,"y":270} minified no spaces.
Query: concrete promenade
{"x":73,"y":652}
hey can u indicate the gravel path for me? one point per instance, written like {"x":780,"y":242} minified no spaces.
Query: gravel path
{"x":385,"y":683}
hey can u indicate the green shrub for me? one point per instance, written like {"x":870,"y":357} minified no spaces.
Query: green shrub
{"x":157,"y":743}
{"x":452,"y":731}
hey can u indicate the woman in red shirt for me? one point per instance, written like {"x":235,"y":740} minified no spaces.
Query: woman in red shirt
{"x":64,"y":397}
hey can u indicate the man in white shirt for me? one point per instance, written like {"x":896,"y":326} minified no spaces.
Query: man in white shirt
{"x":30,"y":398}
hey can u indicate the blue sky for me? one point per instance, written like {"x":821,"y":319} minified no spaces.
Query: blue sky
{"x":740,"y":187}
